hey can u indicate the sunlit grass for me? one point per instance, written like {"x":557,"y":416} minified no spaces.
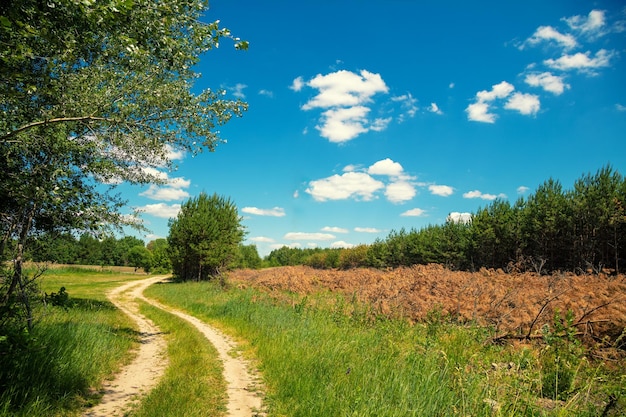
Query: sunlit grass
{"x":84,"y":283}
{"x":74,"y":349}
{"x":193,"y":384}
{"x":323,"y":358}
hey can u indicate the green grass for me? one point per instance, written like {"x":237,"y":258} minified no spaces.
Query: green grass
{"x":322,"y":358}
{"x":320,"y":355}
{"x":82,"y":283}
{"x":193,"y":384}
{"x":73,"y":349}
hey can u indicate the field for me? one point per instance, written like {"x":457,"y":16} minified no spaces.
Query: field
{"x":515,"y":305}
{"x":420,"y":341}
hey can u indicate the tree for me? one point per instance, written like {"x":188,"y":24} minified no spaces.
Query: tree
{"x":95,"y":93}
{"x":160,"y":256}
{"x":204,"y":238}
{"x":247,"y":257}
{"x":140,"y":257}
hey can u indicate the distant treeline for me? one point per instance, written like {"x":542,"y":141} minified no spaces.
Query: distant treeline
{"x":580,"y":230}
{"x":65,"y":248}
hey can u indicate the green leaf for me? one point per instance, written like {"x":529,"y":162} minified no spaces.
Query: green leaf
{"x":4,"y":21}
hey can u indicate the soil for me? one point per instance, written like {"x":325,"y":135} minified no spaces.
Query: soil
{"x":139,"y":377}
{"x":517,"y":305}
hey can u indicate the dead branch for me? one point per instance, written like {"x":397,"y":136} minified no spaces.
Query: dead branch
{"x":543,"y":307}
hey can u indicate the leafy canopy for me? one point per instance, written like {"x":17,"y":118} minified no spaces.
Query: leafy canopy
{"x":205,"y":237}
{"x":100,"y":92}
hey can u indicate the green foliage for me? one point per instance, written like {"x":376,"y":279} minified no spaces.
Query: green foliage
{"x":59,"y":299}
{"x":140,"y":257}
{"x":560,"y":358}
{"x":353,"y":257}
{"x":581,"y":230}
{"x":247,"y":257}
{"x":205,"y":237}
{"x":93,"y":93}
{"x":64,"y":248}
{"x":161,"y":263}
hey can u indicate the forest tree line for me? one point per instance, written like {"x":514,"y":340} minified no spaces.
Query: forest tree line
{"x":582,"y":229}
{"x":86,"y":249}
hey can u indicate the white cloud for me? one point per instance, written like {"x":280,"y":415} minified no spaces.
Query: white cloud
{"x":433,"y":108}
{"x":179,"y":182}
{"x":367,"y":230}
{"x":416,"y":212}
{"x":441,"y":190}
{"x":344,"y":95}
{"x":343,"y":124}
{"x":154,"y":192}
{"x":408,"y":104}
{"x":273,"y":212}
{"x":261,"y":239}
{"x":155,"y":173}
{"x":479,"y":111}
{"x":297,"y":84}
{"x":237,"y":90}
{"x":356,"y":185}
{"x":266,"y":93}
{"x":400,"y":191}
{"x":386,"y":167}
{"x":173,"y":190}
{"x":549,"y":34}
{"x":341,"y":244}
{"x":526,"y":104}
{"x":457,"y":217}
{"x":591,"y":25}
{"x":522,"y":189}
{"x":333,"y":229}
{"x":161,"y":210}
{"x":308,"y":236}
{"x":359,"y":183}
{"x":501,"y":90}
{"x":549,"y":82}
{"x":344,"y":88}
{"x":174,"y":154}
{"x":581,"y":61}
{"x":620,"y":107}
{"x":380,"y":124}
{"x":482,"y":196}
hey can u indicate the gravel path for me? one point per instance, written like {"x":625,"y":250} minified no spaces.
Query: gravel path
{"x":139,"y":377}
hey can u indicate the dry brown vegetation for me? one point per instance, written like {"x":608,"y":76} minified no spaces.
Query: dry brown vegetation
{"x":516,"y":305}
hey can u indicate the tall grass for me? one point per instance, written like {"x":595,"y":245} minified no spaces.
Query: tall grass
{"x":318,"y":362}
{"x":338,"y":358}
{"x":73,"y":349}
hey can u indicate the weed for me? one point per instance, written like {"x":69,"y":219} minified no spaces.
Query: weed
{"x":560,"y":357}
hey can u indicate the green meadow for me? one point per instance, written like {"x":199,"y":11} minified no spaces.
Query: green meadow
{"x":321,"y":355}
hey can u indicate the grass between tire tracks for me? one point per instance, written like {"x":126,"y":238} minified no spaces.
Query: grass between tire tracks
{"x":193,"y":384}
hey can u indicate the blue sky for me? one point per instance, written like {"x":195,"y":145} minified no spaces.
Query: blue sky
{"x":369,"y":116}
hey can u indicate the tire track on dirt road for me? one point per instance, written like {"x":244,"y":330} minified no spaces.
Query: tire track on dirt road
{"x":139,"y":377}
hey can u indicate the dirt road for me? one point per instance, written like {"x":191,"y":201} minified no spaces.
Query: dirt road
{"x":144,"y":372}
